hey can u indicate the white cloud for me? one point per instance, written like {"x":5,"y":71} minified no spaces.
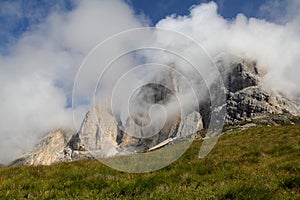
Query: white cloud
{"x":37,"y":75}
{"x":274,"y":46}
{"x":280,"y":11}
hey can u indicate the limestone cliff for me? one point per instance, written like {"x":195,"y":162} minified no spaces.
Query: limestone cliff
{"x":49,"y":150}
{"x":248,"y":98}
{"x":102,"y":134}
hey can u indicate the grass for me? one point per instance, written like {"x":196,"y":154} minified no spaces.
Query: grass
{"x":257,"y":163}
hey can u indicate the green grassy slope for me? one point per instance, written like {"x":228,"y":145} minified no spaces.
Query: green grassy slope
{"x":258,"y":163}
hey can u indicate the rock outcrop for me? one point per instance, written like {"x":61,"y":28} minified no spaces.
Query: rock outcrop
{"x":247,"y":98}
{"x":254,"y":102}
{"x":49,"y":150}
{"x":104,"y":135}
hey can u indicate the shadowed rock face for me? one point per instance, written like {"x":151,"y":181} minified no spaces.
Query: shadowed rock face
{"x":242,"y":75}
{"x":105,"y":135}
{"x":142,"y":126}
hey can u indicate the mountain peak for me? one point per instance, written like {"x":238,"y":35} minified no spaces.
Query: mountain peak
{"x":104,"y":135}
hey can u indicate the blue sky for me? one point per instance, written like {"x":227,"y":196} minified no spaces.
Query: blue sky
{"x":17,"y":16}
{"x":158,"y":9}
{"x":31,"y":12}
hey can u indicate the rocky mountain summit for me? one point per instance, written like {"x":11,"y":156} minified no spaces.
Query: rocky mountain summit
{"x":103,"y":135}
{"x":247,"y":98}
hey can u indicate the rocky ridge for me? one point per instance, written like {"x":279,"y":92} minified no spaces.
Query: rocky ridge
{"x":101,"y":134}
{"x":247,"y":98}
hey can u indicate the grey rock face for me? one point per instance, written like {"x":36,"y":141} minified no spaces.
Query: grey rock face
{"x":104,"y":135}
{"x":160,"y":93}
{"x":96,"y":138}
{"x":253,"y":102}
{"x":247,"y":99}
{"x":190,"y":125}
{"x":243,"y":74}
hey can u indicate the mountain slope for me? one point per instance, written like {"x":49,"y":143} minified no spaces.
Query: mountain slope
{"x":258,"y":163}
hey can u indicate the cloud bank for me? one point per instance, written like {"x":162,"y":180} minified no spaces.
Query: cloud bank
{"x":37,"y":74}
{"x":274,"y":46}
